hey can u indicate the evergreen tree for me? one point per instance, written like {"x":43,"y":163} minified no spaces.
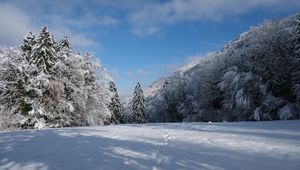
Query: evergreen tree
{"x":27,"y":44}
{"x":43,"y":52}
{"x":55,"y":44}
{"x":138,"y":105}
{"x":296,"y":69}
{"x":32,"y":95}
{"x":297,"y":37}
{"x":64,"y":46}
{"x":115,"y":106}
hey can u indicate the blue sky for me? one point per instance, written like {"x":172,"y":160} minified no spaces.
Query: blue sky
{"x":140,"y":40}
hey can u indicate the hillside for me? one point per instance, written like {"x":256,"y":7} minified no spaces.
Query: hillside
{"x":254,"y":77}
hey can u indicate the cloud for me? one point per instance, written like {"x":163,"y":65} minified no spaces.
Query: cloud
{"x":150,"y":19}
{"x":140,"y":17}
{"x":14,"y":24}
{"x":89,"y":19}
{"x":16,"y":21}
{"x":81,"y":40}
{"x":108,"y":21}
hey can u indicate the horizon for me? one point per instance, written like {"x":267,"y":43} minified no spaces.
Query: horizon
{"x":140,"y":40}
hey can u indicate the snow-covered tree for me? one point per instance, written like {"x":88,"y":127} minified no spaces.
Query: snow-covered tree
{"x":51,"y":88}
{"x":115,"y":105}
{"x":286,"y":113}
{"x":43,"y":52}
{"x":27,"y":44}
{"x":64,"y":46}
{"x":138,"y":114}
{"x":296,"y":61}
{"x":254,"y":77}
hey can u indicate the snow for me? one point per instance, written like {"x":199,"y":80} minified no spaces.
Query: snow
{"x":192,"y":64}
{"x":155,"y":87}
{"x":244,"y":145}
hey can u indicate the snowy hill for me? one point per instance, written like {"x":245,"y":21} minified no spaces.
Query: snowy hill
{"x":253,"y":77}
{"x":244,"y":145}
{"x":155,"y":87}
{"x":189,"y":67}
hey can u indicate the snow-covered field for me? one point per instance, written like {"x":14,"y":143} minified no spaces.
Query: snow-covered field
{"x":244,"y":145}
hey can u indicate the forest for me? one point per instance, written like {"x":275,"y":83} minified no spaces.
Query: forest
{"x":44,"y":84}
{"x":255,"y":77}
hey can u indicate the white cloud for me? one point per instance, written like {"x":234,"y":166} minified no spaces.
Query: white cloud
{"x":81,"y":40}
{"x":108,"y":21}
{"x":89,"y":19}
{"x":141,"y":17}
{"x":14,"y":24}
{"x":149,"y":19}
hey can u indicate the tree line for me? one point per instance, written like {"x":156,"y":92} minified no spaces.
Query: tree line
{"x":44,"y":84}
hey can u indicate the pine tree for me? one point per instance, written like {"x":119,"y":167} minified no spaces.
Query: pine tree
{"x":43,"y":52}
{"x":138,"y":114}
{"x":27,"y":44}
{"x":115,"y":106}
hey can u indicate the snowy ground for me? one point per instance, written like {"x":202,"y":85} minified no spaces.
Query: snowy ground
{"x":245,"y":145}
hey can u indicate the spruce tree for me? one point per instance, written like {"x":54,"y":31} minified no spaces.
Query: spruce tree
{"x":27,"y":44}
{"x":43,"y":52}
{"x":115,"y":106}
{"x":64,"y":46}
{"x":22,"y":75}
{"x":138,"y":114}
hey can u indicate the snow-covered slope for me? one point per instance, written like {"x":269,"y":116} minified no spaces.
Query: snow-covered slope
{"x":240,"y":42}
{"x":155,"y":87}
{"x":188,"y":67}
{"x":244,"y":145}
{"x":250,"y":78}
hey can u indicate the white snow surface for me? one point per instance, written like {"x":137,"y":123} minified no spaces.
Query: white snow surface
{"x":213,"y":146}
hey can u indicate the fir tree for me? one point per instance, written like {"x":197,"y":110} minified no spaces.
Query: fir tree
{"x":43,"y":52}
{"x":27,"y":44}
{"x":55,"y":44}
{"x":115,"y":106}
{"x":138,"y":105}
{"x":64,"y":46}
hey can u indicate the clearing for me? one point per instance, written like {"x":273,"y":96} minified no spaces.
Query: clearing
{"x":243,"y":145}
